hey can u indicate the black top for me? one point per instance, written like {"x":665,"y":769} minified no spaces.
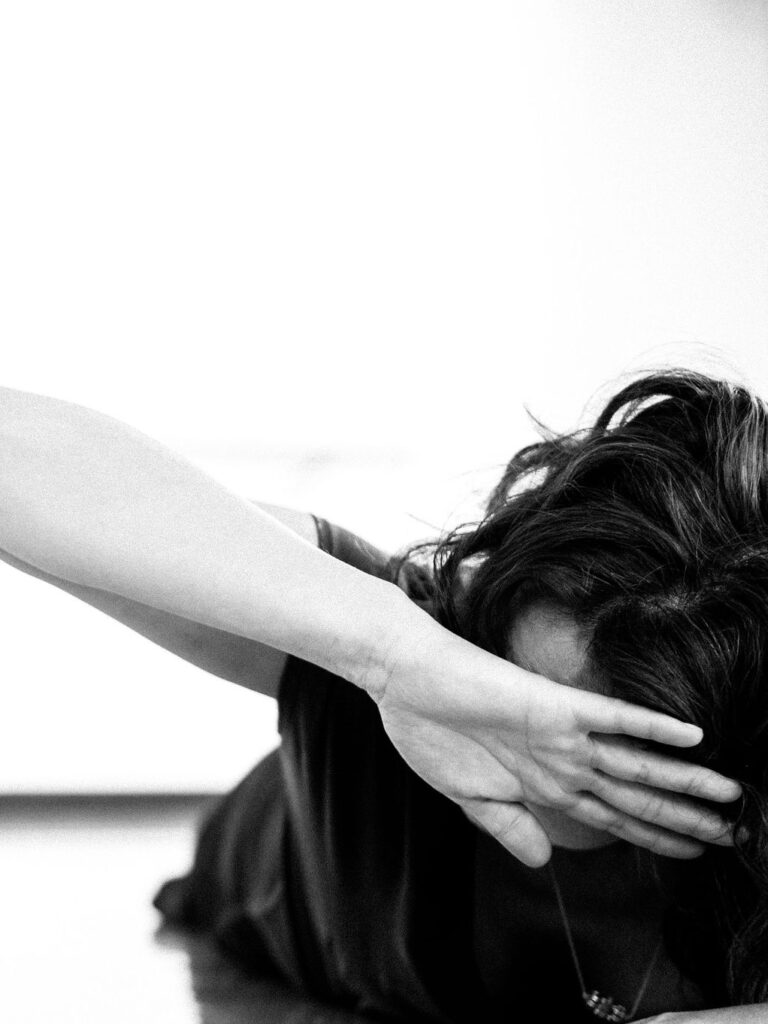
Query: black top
{"x":335,"y":866}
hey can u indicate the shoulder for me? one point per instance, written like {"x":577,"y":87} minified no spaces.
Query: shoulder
{"x":351,"y":548}
{"x":333,"y":539}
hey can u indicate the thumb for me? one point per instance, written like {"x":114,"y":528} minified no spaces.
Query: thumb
{"x":514,"y":827}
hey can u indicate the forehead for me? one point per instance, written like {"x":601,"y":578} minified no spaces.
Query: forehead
{"x":545,"y":640}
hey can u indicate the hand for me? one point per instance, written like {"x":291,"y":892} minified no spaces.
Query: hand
{"x":493,"y":738}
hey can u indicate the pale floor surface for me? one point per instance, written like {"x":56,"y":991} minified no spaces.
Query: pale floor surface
{"x":81,"y":942}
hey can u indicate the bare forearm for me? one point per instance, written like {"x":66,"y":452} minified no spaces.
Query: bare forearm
{"x":89,"y":499}
{"x":753,"y":1014}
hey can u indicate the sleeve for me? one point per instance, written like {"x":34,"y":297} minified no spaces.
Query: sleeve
{"x":350,"y":548}
{"x":375,"y":854}
{"x":306,"y":692}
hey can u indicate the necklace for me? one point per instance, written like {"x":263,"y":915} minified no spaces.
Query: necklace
{"x":604,"y":1007}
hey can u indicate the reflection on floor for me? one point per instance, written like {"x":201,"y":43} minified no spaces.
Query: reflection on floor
{"x":225,"y":996}
{"x":80,"y":941}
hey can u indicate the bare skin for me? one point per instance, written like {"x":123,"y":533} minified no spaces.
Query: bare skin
{"x":544,"y":641}
{"x":113,"y":516}
{"x":469,"y":746}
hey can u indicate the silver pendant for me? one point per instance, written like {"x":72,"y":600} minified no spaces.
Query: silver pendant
{"x":604,"y":1006}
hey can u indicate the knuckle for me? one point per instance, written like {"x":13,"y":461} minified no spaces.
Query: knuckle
{"x":613,"y":822}
{"x":493,"y":822}
{"x":655,"y":842}
{"x":651,"y":808}
{"x":694,"y":782}
{"x":713,"y":830}
{"x":560,"y":800}
{"x":595,"y":756}
{"x":506,"y":830}
{"x":600,"y":785}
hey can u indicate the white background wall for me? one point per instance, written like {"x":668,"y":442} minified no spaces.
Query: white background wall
{"x":328,"y":250}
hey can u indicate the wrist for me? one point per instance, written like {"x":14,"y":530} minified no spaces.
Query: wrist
{"x":393,"y":628}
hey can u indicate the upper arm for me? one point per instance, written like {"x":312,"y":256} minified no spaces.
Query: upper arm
{"x":235,"y":658}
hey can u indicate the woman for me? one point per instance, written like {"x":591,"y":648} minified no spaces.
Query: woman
{"x":368,"y":858}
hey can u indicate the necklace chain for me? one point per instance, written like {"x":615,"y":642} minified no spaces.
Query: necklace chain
{"x":601,"y":1006}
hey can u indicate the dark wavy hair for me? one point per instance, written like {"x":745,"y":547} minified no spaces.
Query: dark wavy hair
{"x":651,"y":529}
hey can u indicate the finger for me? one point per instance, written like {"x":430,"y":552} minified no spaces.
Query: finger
{"x":609,"y":715}
{"x":633,"y":764}
{"x":599,"y":815}
{"x":514,"y":827}
{"x":654,"y":807}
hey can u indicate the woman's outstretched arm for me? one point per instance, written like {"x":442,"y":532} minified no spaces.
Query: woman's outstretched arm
{"x":89,"y":499}
{"x":238,"y":659}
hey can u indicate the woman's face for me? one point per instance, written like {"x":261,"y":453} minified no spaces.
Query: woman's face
{"x":547,"y":641}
